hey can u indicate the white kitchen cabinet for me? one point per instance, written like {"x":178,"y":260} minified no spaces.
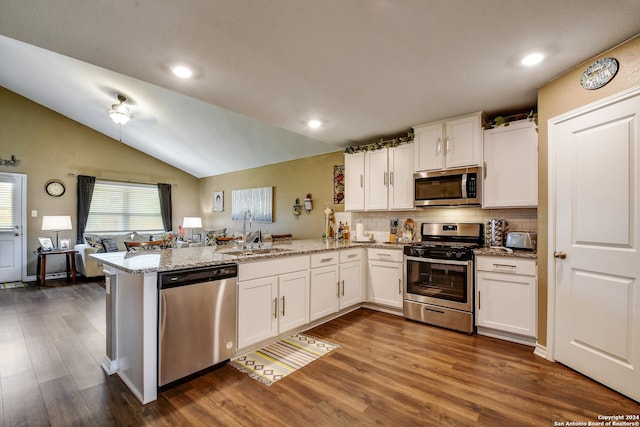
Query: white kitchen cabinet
{"x":511,"y":166}
{"x":389,"y":178}
{"x":354,"y":182}
{"x":323,"y":294}
{"x":448,"y":144}
{"x":376,"y":178}
{"x":385,"y":276}
{"x":336,"y":282}
{"x":401,"y":177}
{"x":272,"y":304}
{"x":506,"y":298}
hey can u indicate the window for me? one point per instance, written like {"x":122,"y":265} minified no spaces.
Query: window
{"x":7,"y":222}
{"x":117,"y":206}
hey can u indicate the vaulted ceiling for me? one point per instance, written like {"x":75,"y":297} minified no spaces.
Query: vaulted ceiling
{"x":262,"y":69}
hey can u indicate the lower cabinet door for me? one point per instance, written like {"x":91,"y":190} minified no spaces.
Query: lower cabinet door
{"x":293,"y":302}
{"x":324,"y":291}
{"x":386,"y":283}
{"x":350,"y":284}
{"x":506,"y":302}
{"x":257,"y":310}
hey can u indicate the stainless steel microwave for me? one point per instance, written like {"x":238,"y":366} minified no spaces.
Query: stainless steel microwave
{"x":451,"y":187}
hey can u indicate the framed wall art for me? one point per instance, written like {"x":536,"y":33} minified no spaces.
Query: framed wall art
{"x":65,"y":244}
{"x":338,"y":184}
{"x":258,"y":201}
{"x":218,"y":201}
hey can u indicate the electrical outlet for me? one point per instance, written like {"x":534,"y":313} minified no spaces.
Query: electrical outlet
{"x":34,"y":214}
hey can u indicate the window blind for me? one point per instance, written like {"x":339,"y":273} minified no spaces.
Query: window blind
{"x":7,"y":221}
{"x":117,"y":206}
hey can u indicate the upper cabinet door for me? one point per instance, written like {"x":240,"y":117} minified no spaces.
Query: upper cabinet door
{"x":463,"y":142}
{"x":354,"y":182}
{"x":376,"y":174}
{"x":511,"y":166}
{"x":448,"y":144}
{"x":401,"y":177}
{"x":428,"y":147}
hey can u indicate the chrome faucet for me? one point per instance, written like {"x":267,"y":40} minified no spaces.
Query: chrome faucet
{"x":247,"y":213}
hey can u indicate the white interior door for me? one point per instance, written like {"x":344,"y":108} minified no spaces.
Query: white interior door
{"x":597,"y":234}
{"x":12,"y":222}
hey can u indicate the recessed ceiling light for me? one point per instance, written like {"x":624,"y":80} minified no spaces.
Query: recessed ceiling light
{"x":314,"y":123}
{"x":182,"y":71}
{"x":532,"y":59}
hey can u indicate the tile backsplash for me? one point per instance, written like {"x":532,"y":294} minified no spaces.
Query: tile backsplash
{"x":378,"y":223}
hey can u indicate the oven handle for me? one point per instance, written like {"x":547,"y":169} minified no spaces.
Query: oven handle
{"x":437,"y":261}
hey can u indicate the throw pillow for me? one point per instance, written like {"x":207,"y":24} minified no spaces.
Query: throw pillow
{"x":210,"y":236}
{"x":109,"y":245}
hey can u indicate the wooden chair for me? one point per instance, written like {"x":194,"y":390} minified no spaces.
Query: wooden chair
{"x":141,"y":246}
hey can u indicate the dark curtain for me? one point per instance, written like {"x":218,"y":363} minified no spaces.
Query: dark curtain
{"x":164,"y":191}
{"x":85,"y":192}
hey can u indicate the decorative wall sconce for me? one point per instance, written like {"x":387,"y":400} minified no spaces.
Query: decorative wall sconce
{"x":308,"y":203}
{"x":10,"y":162}
{"x":297,"y":208}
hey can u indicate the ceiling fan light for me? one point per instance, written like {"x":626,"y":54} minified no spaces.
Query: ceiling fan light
{"x":119,"y":113}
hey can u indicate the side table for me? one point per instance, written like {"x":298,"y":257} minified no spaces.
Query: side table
{"x":71,"y":264}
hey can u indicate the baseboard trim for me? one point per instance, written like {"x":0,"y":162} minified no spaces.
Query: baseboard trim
{"x":540,"y":350}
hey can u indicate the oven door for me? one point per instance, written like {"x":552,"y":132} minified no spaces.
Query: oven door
{"x":445,"y":283}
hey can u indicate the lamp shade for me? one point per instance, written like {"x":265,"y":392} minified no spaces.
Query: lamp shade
{"x":192,"y":222}
{"x":56,"y":222}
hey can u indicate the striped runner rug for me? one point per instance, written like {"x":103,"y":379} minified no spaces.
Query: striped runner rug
{"x":281,"y":358}
{"x":12,"y":285}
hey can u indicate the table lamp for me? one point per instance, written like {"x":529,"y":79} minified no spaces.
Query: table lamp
{"x":56,"y":223}
{"x":192,"y":222}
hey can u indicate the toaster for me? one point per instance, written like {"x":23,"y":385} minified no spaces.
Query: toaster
{"x":522,"y":240}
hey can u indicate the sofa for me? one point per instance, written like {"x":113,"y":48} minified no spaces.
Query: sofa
{"x":95,"y":243}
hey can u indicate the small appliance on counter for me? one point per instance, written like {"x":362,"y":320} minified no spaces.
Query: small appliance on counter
{"x":524,"y":240}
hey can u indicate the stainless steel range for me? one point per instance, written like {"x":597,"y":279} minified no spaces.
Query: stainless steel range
{"x":439,"y":275}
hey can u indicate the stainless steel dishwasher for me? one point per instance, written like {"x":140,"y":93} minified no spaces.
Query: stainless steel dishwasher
{"x":197,"y":320}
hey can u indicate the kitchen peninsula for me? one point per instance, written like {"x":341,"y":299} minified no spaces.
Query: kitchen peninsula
{"x":132,"y":294}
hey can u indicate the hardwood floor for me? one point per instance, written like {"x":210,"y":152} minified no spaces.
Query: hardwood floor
{"x":389,"y":371}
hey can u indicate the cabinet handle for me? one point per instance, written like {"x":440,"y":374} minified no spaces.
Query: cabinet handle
{"x":399,"y":286}
{"x":338,"y":289}
{"x":504,"y":267}
{"x":326,"y":260}
{"x":391,"y":178}
{"x":283,"y":305}
{"x":385,"y":179}
{"x":361,"y":181}
{"x":448,"y":144}
{"x":485,"y":170}
{"x":275,"y":308}
{"x":439,"y":146}
{"x":479,"y":301}
{"x":343,"y":288}
{"x":352,"y":255}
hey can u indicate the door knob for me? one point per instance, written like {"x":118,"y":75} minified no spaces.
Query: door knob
{"x":561,"y":255}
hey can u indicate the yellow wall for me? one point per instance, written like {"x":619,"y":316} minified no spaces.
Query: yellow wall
{"x":290,"y":180}
{"x":558,"y":97}
{"x":52,"y":146}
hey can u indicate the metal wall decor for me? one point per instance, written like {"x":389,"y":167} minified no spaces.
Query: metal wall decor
{"x":10,"y":162}
{"x":258,"y":201}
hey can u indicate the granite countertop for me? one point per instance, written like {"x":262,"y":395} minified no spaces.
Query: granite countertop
{"x":507,"y":253}
{"x":177,"y":259}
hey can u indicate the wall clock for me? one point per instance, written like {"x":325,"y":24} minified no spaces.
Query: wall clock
{"x":54,"y":188}
{"x":599,"y":73}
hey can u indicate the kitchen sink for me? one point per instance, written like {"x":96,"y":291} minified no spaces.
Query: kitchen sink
{"x":257,"y":251}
